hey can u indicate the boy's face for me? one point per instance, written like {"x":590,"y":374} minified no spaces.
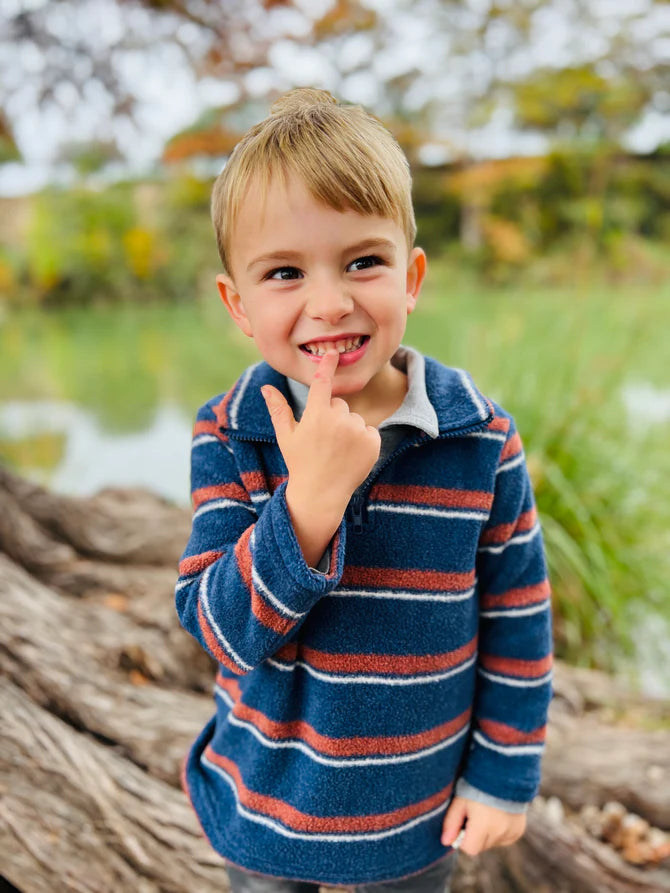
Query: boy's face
{"x":302,"y":272}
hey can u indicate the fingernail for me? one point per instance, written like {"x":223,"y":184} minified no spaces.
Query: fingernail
{"x":265,"y":391}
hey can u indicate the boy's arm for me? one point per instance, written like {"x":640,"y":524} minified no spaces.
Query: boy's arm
{"x":515,"y":648}
{"x":515,"y":639}
{"x":244,"y":586}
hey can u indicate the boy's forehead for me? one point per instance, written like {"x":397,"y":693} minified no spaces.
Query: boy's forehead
{"x":285,"y":188}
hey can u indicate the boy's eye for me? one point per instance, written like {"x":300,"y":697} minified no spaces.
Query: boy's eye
{"x":364,"y":263}
{"x":283,"y":273}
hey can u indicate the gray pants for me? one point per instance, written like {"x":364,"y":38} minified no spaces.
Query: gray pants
{"x":435,"y":879}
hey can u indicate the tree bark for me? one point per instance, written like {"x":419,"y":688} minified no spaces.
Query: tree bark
{"x":103,"y":693}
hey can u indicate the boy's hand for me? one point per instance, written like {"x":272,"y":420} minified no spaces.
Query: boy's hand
{"x":330,"y":451}
{"x":486,"y":826}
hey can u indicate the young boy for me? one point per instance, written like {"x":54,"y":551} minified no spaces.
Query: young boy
{"x":365,"y":562}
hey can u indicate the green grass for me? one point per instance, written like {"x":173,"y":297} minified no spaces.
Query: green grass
{"x":558,"y":359}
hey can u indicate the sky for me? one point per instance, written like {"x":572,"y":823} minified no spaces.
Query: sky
{"x":169,"y":98}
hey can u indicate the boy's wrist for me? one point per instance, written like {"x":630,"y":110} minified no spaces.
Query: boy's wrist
{"x":314,"y":525}
{"x":316,"y":508}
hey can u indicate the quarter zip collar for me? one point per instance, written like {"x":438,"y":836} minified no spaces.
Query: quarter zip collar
{"x":242,"y":413}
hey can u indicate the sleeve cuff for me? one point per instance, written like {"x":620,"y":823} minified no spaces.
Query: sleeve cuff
{"x":466,"y":790}
{"x":307,"y":578}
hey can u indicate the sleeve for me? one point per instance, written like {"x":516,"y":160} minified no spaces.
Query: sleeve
{"x":513,"y":688}
{"x":244,"y":587}
{"x":463,"y":789}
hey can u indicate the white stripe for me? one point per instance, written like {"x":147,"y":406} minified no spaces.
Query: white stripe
{"x":517,"y":683}
{"x":271,"y":597}
{"x":334,"y":761}
{"x":488,"y":435}
{"x":510,"y":750}
{"x":235,"y":403}
{"x":513,"y":541}
{"x":436,"y":513}
{"x":511,"y":463}
{"x":467,"y":384}
{"x":408,"y":596}
{"x":372,"y":680}
{"x":222,"y":504}
{"x":203,"y":438}
{"x":183,"y":583}
{"x":518,"y":612}
{"x":204,"y":600}
{"x":312,"y":836}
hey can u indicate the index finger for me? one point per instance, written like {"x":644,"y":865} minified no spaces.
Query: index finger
{"x":321,"y":389}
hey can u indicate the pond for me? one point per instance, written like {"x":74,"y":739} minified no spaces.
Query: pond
{"x":65,"y":448}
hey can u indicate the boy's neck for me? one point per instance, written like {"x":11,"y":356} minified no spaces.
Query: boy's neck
{"x":381,"y":398}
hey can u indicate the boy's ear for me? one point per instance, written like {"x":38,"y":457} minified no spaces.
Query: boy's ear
{"x":416,"y":270}
{"x":233,"y":303}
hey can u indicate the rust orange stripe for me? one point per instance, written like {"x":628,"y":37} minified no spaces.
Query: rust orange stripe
{"x":232,"y":686}
{"x":516,"y":667}
{"x":221,"y":409}
{"x":219,"y":491}
{"x":353,"y":746}
{"x":398,"y":578}
{"x":261,"y":609}
{"x":419,"y":495}
{"x":206,"y":427}
{"x":498,"y":424}
{"x":196,"y":563}
{"x":256,"y":480}
{"x":502,"y":532}
{"x":517,"y":598}
{"x":213,"y":643}
{"x":302,"y":821}
{"x":512,"y":447}
{"x":399,"y":664}
{"x":504,"y":734}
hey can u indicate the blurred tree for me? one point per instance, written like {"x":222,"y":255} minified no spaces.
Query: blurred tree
{"x":89,"y":157}
{"x":580,"y":104}
{"x":435,"y":69}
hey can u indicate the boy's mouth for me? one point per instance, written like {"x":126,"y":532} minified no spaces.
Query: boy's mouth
{"x":345,"y":345}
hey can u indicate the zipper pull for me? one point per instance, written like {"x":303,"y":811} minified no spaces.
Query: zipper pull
{"x":357,"y":514}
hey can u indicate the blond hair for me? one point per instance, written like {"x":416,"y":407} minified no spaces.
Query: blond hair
{"x":345,"y":156}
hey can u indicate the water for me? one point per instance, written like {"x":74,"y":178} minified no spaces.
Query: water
{"x":89,"y":458}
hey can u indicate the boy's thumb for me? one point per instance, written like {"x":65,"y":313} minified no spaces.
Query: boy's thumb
{"x":453,"y":821}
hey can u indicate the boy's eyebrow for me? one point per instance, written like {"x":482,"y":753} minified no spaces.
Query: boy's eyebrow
{"x":363,"y":245}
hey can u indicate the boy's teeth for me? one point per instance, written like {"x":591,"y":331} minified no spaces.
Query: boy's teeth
{"x":319,"y":348}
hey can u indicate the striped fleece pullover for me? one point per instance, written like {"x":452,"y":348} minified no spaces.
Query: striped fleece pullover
{"x":348,"y":703}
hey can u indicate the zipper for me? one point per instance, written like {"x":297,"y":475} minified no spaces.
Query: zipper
{"x":358,"y":503}
{"x":356,"y":514}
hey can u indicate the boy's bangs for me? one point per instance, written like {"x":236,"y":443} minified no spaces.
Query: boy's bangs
{"x":349,"y":183}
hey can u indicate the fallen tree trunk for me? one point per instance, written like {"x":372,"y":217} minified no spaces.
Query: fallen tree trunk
{"x":76,"y":815}
{"x":104,"y":692}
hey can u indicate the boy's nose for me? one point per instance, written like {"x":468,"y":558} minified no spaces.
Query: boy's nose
{"x":330,"y":302}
